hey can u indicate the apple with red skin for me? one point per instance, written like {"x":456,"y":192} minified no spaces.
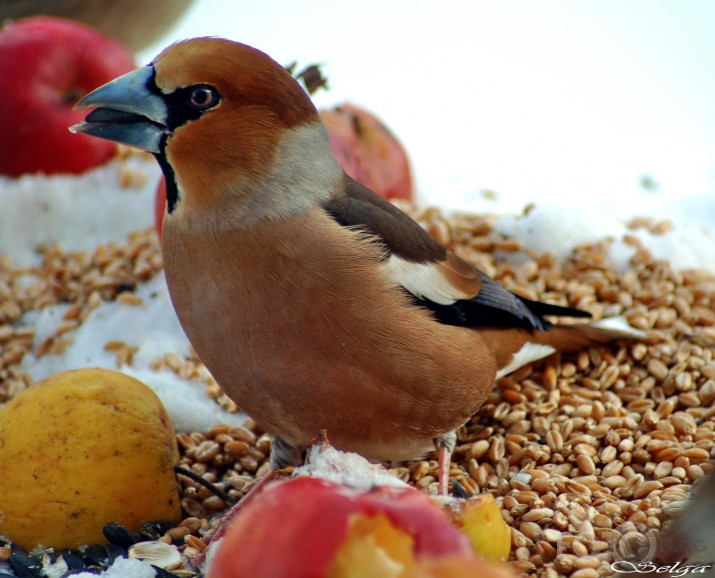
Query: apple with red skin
{"x":47,"y":64}
{"x":365,"y":148}
{"x":311,"y":528}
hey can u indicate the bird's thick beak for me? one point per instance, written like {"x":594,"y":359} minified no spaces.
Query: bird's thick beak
{"x":127,"y":111}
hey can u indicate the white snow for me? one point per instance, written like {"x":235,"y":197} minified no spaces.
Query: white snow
{"x":78,"y":213}
{"x":123,"y":568}
{"x":558,"y":228}
{"x":346,"y":468}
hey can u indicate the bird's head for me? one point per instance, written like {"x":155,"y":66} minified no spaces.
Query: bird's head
{"x":225,"y":121}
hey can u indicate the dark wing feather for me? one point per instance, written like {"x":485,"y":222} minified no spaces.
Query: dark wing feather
{"x":489,"y":304}
{"x":401,"y":235}
{"x":496,"y":306}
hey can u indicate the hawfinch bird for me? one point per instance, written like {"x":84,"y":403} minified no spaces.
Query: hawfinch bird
{"x":315,"y":303}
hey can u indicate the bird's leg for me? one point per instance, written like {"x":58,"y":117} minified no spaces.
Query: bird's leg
{"x":283,"y":456}
{"x":445,"y":446}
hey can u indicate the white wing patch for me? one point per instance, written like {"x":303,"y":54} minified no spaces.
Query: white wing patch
{"x":423,"y":280}
{"x":528,"y":353}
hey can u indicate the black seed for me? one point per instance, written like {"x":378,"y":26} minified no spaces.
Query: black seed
{"x":459,"y":491}
{"x":213,"y":488}
{"x":95,"y":554}
{"x":24,"y":565}
{"x":153,"y":530}
{"x":114,"y":552}
{"x":119,"y":535}
{"x":72,"y":559}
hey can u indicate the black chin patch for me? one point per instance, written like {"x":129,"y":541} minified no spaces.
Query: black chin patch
{"x":172,"y":191}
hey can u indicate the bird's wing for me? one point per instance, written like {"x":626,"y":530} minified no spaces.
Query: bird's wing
{"x":456,"y":292}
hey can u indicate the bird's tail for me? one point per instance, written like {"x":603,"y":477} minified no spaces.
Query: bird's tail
{"x":516,"y":348}
{"x":565,"y":338}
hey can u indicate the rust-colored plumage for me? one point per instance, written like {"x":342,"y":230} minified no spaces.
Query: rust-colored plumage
{"x":315,"y":303}
{"x":313,"y":339}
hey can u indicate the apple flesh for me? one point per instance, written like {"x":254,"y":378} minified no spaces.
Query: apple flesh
{"x":368,"y":151}
{"x":47,"y":64}
{"x":481,"y":520}
{"x":311,"y":528}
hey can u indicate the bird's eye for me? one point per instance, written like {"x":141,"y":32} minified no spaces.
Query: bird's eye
{"x":203,"y":97}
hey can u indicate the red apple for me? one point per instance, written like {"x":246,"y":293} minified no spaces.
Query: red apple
{"x":47,"y":64}
{"x":311,"y":528}
{"x":368,"y":151}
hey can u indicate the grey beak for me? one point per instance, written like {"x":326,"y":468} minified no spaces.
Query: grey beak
{"x":127,"y":111}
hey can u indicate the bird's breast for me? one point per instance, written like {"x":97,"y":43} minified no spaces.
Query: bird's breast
{"x":297,"y":324}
